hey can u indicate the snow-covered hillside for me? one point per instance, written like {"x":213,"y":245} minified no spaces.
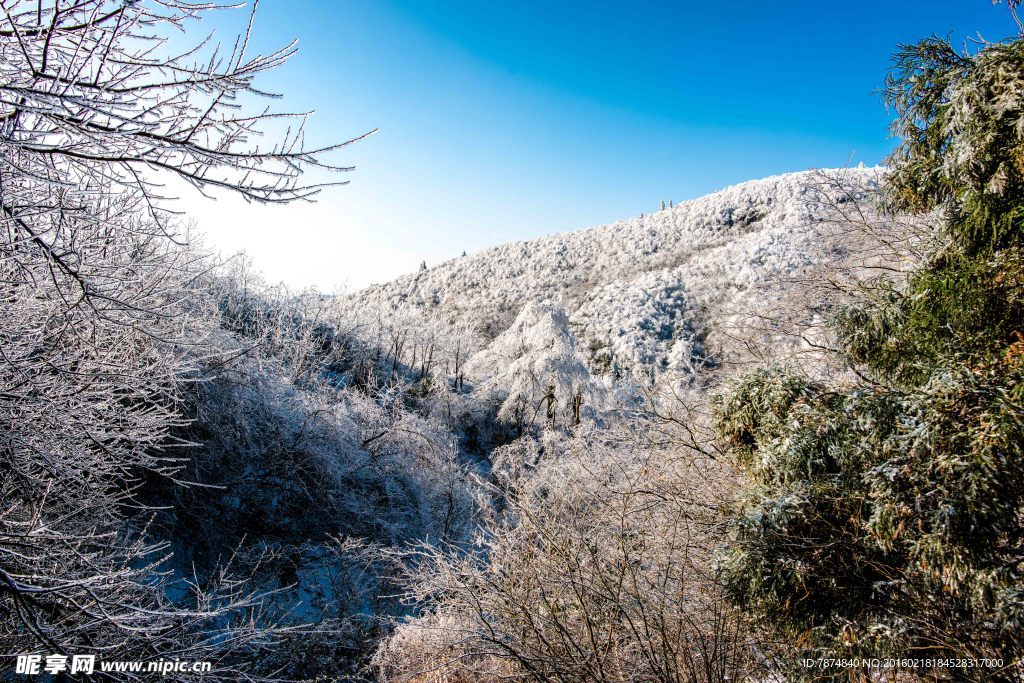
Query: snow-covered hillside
{"x":652,"y":293}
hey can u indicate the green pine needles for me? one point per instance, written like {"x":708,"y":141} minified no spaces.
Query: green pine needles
{"x":886,"y":518}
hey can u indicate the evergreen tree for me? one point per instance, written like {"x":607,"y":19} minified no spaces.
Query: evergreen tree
{"x":887,"y":517}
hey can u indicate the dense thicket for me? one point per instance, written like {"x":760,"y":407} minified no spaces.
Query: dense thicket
{"x":885,"y":515}
{"x":592,"y":563}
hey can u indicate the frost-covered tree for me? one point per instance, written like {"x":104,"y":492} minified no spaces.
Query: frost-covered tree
{"x":884,"y":514}
{"x":535,"y":372}
{"x":98,"y":323}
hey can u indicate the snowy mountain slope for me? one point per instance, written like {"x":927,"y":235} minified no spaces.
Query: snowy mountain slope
{"x":647,"y":294}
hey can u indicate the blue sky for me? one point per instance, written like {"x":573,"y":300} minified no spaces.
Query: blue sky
{"x":506,"y":121}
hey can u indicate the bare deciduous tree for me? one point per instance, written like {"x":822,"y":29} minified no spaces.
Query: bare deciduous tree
{"x":97,"y":321}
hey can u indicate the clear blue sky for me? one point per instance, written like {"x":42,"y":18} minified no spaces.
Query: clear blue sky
{"x":509,"y":120}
